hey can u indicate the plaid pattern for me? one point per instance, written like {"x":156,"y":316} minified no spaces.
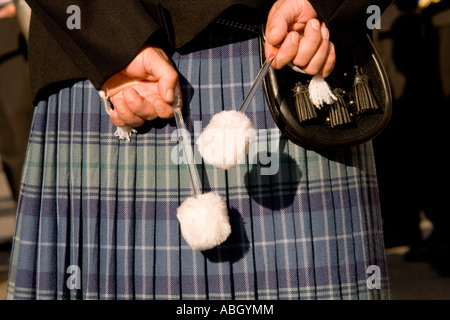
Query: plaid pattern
{"x":108,"y":206}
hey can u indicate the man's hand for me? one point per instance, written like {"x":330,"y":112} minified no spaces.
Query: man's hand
{"x":302,"y":38}
{"x":144,"y":90}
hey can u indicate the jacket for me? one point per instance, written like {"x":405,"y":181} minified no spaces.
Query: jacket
{"x":112,"y":32}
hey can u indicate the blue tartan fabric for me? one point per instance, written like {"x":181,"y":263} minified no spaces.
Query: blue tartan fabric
{"x":304,"y":225}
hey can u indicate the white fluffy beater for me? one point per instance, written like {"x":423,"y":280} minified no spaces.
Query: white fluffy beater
{"x":225,"y":141}
{"x":203,"y":218}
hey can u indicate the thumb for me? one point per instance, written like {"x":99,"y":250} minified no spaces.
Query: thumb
{"x":160,"y":69}
{"x":286,"y":16}
{"x":280,"y":21}
{"x":167,"y":79}
{"x":167,"y":84}
{"x":277,"y":27}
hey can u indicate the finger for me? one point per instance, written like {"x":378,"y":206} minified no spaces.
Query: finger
{"x":269,"y":49}
{"x":163,"y":109}
{"x":317,"y":62}
{"x":309,"y":43}
{"x":115,"y":119}
{"x":330,"y":62}
{"x":138,"y":105}
{"x":124,"y":113}
{"x":287,"y":51}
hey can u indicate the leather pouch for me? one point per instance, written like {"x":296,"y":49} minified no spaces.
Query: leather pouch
{"x":362,"y":108}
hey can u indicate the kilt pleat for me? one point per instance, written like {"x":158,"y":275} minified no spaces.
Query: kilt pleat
{"x":97,"y":215}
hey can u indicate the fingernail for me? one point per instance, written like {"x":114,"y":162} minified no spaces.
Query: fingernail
{"x":295,"y":38}
{"x":325,"y":32}
{"x":170,"y":95}
{"x":315,"y":24}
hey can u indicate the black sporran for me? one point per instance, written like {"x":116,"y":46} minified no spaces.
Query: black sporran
{"x":361,"y":107}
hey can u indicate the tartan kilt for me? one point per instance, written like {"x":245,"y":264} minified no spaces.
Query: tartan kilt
{"x":304,"y":225}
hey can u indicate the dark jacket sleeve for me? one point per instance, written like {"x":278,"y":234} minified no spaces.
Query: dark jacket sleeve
{"x":346,"y":19}
{"x":111,"y":34}
{"x":113,"y":31}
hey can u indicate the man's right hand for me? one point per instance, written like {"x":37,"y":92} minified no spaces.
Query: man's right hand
{"x":293,"y":25}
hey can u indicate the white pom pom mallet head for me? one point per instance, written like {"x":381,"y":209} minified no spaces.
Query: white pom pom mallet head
{"x":204,"y":221}
{"x":225,"y":141}
{"x":203,"y":218}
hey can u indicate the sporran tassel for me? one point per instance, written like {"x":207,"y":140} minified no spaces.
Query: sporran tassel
{"x":303,"y":105}
{"x":364,"y":100}
{"x":319,"y":92}
{"x":339,"y":114}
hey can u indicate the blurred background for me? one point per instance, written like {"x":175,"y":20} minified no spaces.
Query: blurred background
{"x":412,"y":165}
{"x":414,"y":44}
